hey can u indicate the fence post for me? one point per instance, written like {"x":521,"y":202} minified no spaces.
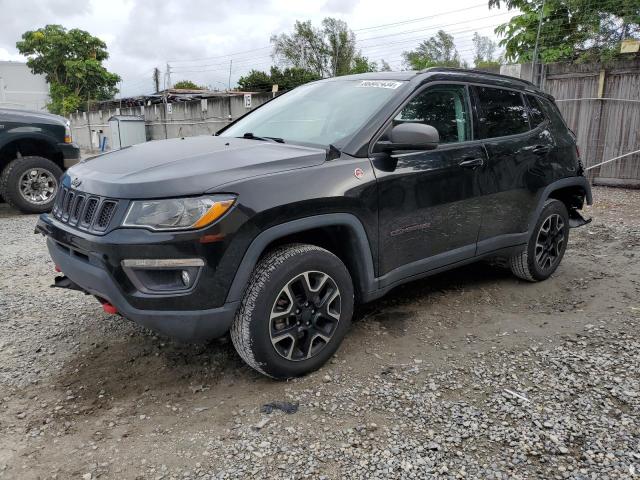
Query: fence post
{"x":602,"y":126}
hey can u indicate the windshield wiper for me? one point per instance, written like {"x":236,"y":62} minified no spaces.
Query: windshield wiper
{"x":251,"y":136}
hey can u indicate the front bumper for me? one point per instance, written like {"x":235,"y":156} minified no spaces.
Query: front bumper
{"x":89,"y":267}
{"x":70,"y":153}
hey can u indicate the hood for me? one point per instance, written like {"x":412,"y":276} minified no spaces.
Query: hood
{"x":28,"y":116}
{"x":186,"y":166}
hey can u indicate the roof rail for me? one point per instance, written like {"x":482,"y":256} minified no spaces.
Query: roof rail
{"x":470,"y":70}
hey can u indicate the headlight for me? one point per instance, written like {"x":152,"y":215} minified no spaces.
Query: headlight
{"x":177,"y":213}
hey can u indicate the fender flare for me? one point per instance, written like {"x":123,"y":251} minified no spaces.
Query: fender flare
{"x":366,"y":273}
{"x":557,"y":185}
{"x":13,"y":137}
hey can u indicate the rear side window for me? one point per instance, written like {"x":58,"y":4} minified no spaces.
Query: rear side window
{"x":552,"y":112}
{"x":536,"y":113}
{"x":502,"y":112}
{"x":444,"y":108}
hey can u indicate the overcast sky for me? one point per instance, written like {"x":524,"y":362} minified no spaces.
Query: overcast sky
{"x":199,"y":37}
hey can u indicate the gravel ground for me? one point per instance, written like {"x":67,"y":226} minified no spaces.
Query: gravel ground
{"x":469,"y":374}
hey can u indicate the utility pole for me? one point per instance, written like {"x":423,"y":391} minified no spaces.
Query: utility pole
{"x":156,"y":79}
{"x":535,"y":50}
{"x":168,"y":76}
{"x":230,"y":65}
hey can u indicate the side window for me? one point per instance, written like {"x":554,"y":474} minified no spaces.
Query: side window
{"x":502,"y":112}
{"x":442,"y":107}
{"x":552,"y":112}
{"x":536,"y":114}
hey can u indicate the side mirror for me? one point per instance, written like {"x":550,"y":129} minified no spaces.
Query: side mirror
{"x":410,"y":136}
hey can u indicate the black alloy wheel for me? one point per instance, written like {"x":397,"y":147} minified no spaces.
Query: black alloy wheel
{"x":305,"y":315}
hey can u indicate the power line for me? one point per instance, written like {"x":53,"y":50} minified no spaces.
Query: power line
{"x":382,"y":26}
{"x":249,"y":60}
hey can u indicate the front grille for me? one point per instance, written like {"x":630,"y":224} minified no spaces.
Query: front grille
{"x":106,"y":212}
{"x":77,"y":208}
{"x":90,"y":211}
{"x":86,"y":212}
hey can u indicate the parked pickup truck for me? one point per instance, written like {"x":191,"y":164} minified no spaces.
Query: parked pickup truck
{"x":325,"y":197}
{"x":35,"y":148}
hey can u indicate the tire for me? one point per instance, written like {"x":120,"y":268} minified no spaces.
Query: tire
{"x":270,"y":332}
{"x":545,"y":250}
{"x":47,"y":177}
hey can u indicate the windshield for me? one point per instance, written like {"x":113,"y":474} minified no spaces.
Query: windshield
{"x":319,"y":113}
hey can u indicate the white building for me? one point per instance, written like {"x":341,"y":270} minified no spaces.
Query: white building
{"x":19,"y":88}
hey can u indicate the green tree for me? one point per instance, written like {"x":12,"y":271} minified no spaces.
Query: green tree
{"x":292,"y":77}
{"x":341,"y":46}
{"x":483,"y":51}
{"x":582,"y":30}
{"x":188,"y":85}
{"x":328,"y":51}
{"x":361,"y":64}
{"x":71,"y":61}
{"x":384,"y":66}
{"x":437,"y":51}
{"x":305,"y":48}
{"x":257,"y":81}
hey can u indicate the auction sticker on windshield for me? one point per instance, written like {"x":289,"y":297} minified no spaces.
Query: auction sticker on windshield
{"x":379,"y":84}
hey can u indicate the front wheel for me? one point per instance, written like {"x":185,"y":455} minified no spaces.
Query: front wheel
{"x":295,"y":312}
{"x":30,"y":184}
{"x":546,"y":246}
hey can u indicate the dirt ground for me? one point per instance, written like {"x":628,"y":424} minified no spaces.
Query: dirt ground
{"x":468,"y":374}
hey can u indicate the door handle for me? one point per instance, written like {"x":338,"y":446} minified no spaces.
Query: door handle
{"x":472,"y":163}
{"x":540,"y":149}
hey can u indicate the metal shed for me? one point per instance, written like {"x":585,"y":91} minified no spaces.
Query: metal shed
{"x":127,"y":130}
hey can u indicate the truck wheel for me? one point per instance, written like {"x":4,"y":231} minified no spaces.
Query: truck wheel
{"x":546,"y":246}
{"x":295,"y":312}
{"x":30,"y":184}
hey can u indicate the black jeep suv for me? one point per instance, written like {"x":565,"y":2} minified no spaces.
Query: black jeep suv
{"x":325,"y":197}
{"x":35,"y":148}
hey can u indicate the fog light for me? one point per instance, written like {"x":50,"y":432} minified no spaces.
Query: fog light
{"x":163,"y":275}
{"x":186,"y":278}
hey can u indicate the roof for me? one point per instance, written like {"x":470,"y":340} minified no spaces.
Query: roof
{"x":127,"y":118}
{"x":447,"y":73}
{"x":171,"y":95}
{"x":406,"y":75}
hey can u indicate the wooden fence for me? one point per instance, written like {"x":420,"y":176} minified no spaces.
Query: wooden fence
{"x":601,"y":104}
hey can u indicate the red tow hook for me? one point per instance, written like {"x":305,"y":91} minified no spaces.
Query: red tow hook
{"x":57,"y":269}
{"x":110,"y":309}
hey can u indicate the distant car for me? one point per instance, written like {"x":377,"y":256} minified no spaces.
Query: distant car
{"x":35,"y":148}
{"x":327,"y":196}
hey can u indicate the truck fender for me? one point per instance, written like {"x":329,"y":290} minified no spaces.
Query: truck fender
{"x":13,"y":137}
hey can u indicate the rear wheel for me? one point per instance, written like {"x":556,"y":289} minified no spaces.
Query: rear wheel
{"x":30,"y":184}
{"x":546,"y":246}
{"x":295,"y":311}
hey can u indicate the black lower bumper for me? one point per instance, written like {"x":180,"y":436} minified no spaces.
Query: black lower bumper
{"x":187,"y":325}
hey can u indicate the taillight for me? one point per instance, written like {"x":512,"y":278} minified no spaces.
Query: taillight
{"x":578,"y":151}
